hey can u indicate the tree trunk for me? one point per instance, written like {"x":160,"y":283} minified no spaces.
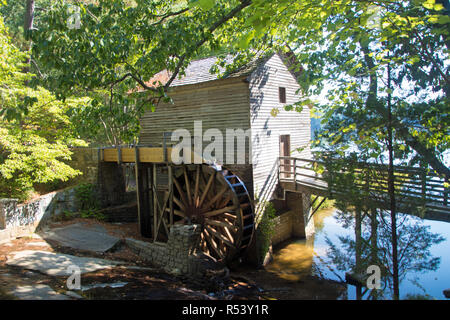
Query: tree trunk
{"x":29,"y":17}
{"x":28,"y":27}
{"x":374,"y":244}
{"x":392,"y":200}
{"x":358,"y":250}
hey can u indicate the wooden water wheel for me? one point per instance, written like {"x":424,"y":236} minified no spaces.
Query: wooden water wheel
{"x":218,"y":200}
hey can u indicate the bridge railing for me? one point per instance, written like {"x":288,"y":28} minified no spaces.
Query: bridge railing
{"x":411,"y":183}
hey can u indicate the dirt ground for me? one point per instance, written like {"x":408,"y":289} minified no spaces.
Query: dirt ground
{"x":139,"y":280}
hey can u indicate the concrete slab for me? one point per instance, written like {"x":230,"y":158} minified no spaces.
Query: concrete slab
{"x":37,"y":292}
{"x":57,"y":264}
{"x":80,"y":236}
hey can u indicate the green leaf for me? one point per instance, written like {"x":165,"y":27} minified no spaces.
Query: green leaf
{"x":204,"y":4}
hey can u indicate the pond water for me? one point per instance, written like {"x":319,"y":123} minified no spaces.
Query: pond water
{"x":424,"y":247}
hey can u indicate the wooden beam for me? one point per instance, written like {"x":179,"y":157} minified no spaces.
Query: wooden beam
{"x":146,"y":154}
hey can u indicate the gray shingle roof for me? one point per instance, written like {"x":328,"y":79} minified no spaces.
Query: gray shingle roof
{"x":196,"y":72}
{"x":199,"y":71}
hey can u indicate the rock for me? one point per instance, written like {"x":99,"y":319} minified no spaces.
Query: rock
{"x":104,"y":285}
{"x":200,"y":295}
{"x":37,"y":292}
{"x":73,"y":295}
{"x":447,"y":293}
{"x":30,"y":274}
{"x":57,"y":264}
{"x":139,"y":268}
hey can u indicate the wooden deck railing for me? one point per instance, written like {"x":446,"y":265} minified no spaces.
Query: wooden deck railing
{"x":412,"y":185}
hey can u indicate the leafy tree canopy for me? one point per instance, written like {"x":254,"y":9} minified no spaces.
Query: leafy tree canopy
{"x":343,"y":47}
{"x":35,"y":130}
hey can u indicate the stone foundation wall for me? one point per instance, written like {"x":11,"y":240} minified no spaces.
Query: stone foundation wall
{"x":179,"y":255}
{"x":300,"y":205}
{"x":284,"y":224}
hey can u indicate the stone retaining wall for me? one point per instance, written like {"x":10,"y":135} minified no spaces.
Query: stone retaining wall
{"x":20,"y":219}
{"x":179,"y":255}
{"x":85,"y":160}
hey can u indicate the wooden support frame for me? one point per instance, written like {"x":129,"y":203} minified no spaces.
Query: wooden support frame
{"x":155,"y":202}
{"x":138,"y":187}
{"x":162,"y":207}
{"x":144,"y":200}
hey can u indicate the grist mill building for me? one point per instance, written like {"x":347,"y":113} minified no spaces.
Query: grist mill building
{"x":224,"y":198}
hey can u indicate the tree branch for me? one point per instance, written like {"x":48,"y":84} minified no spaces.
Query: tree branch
{"x":217,"y":24}
{"x":372,"y":101}
{"x":167,"y":15}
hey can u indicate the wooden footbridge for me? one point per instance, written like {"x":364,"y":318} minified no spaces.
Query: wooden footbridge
{"x":415,"y":188}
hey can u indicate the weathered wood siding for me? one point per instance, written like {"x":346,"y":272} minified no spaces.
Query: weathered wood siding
{"x":220,"y":104}
{"x":266,"y":129}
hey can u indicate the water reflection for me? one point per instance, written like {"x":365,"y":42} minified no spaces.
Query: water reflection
{"x":342,"y":245}
{"x":294,"y":261}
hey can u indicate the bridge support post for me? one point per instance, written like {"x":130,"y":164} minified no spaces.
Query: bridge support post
{"x":300,"y":204}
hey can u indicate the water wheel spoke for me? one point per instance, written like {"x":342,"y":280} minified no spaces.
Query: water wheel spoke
{"x":204,"y":244}
{"x":228,"y":216}
{"x":219,"y":211}
{"x":227,"y":199}
{"x":197,"y":181}
{"x":212,"y":243}
{"x":179,"y":203}
{"x":205,"y":192}
{"x":216,"y":197}
{"x":188,"y":187}
{"x":179,"y":213}
{"x":219,"y":236}
{"x":181,"y":192}
{"x":228,"y":233}
{"x":225,"y":225}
